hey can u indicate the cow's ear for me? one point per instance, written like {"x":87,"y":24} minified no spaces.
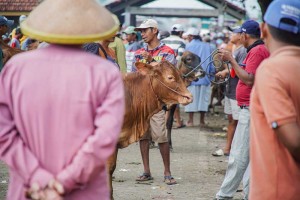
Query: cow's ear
{"x":144,"y":68}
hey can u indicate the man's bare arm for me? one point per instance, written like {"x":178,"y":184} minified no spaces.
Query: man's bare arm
{"x":289,"y":135}
{"x":243,"y":75}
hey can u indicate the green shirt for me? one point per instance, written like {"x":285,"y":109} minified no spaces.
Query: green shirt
{"x":120,"y":52}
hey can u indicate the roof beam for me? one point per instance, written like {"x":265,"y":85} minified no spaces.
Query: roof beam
{"x":119,"y":7}
{"x":221,"y":5}
{"x":227,"y":7}
{"x":171,"y":12}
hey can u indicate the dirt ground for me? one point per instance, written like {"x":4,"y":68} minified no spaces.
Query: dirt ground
{"x":198,"y":173}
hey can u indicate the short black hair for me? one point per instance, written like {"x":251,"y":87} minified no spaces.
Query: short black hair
{"x":175,"y":32}
{"x":135,"y":34}
{"x":197,"y":37}
{"x":285,"y":36}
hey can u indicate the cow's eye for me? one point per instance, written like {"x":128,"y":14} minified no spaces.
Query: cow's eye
{"x":170,"y":77}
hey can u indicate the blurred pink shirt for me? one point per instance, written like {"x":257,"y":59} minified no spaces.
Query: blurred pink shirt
{"x":61,"y":112}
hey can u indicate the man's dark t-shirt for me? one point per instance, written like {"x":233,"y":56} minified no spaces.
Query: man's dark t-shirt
{"x":239,"y":54}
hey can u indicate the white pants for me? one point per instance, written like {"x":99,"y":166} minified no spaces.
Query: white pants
{"x":238,"y":164}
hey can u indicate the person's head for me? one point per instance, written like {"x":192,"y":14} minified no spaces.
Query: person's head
{"x":32,"y":44}
{"x":206,"y":38}
{"x":163,"y":34}
{"x":22,"y":18}
{"x":185,"y":37}
{"x":74,"y":27}
{"x":131,"y":34}
{"x":149,"y":30}
{"x":249,"y":32}
{"x":18,"y":33}
{"x":5,"y":24}
{"x":282,"y":23}
{"x":193,"y":34}
{"x":235,"y":38}
{"x":5,"y":39}
{"x":177,"y":29}
{"x":220,"y":35}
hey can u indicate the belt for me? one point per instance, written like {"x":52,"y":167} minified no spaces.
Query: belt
{"x":244,"y":107}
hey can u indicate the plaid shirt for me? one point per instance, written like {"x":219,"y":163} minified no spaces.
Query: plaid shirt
{"x":161,"y":52}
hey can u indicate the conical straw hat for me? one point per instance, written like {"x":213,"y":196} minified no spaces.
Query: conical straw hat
{"x":70,"y":22}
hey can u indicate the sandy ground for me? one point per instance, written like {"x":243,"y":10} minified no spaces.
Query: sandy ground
{"x":199,"y":175}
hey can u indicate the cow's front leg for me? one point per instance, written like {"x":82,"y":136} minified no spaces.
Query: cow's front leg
{"x":111,"y":166}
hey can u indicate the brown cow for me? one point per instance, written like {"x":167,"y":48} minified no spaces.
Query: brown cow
{"x":191,"y":70}
{"x":145,"y":94}
{"x":187,"y":65}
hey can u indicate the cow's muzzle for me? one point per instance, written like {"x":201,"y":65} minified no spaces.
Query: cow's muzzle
{"x":186,"y":99}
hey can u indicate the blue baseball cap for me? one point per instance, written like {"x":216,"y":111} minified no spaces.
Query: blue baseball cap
{"x":233,"y":29}
{"x":5,"y":21}
{"x":284,"y":15}
{"x":249,"y":27}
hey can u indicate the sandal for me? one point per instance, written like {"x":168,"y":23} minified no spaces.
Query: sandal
{"x":181,"y":126}
{"x":219,"y":152}
{"x":144,"y":177}
{"x":169,"y":180}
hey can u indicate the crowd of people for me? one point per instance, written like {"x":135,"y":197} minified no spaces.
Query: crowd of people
{"x":262,"y":100}
{"x":121,"y":48}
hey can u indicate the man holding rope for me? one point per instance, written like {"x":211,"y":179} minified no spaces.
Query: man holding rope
{"x":239,"y":154}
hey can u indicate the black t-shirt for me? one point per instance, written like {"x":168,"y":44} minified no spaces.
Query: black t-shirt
{"x":239,"y":54}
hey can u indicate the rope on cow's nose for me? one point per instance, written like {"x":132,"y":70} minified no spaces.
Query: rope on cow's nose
{"x":173,"y":90}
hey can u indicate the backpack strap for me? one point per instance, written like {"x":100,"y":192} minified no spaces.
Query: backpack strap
{"x":103,"y":50}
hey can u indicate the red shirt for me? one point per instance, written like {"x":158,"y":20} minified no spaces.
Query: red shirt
{"x":253,"y":59}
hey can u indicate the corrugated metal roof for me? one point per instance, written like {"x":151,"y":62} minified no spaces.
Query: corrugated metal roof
{"x":18,"y":5}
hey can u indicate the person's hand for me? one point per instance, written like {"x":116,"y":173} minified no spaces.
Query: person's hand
{"x":51,"y":194}
{"x":146,"y":55}
{"x":221,"y":74}
{"x":53,"y":191}
{"x":225,"y":55}
{"x":34,"y":192}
